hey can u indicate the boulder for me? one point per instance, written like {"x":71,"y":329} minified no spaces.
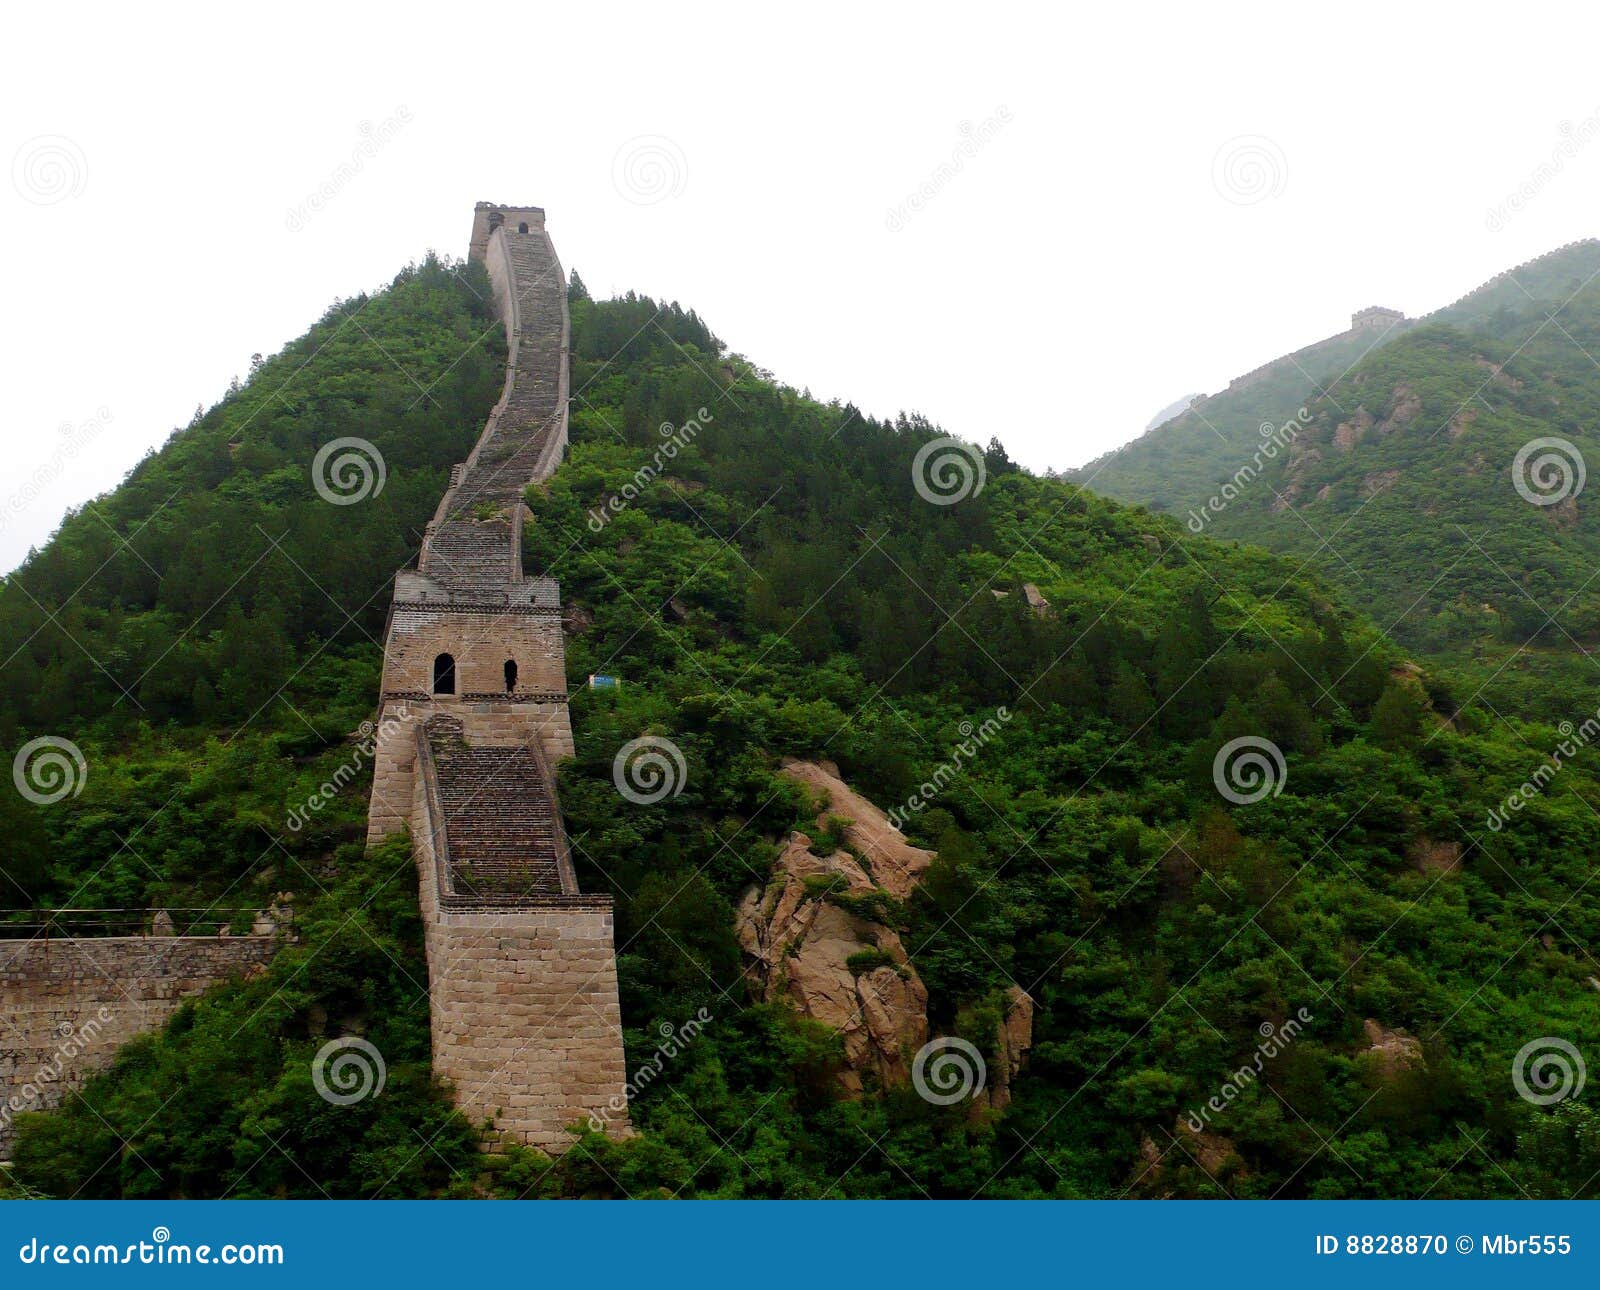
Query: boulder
{"x":1395,"y":1051}
{"x":894,"y":864}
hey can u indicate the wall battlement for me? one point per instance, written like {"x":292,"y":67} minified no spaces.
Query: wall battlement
{"x":522,"y":971}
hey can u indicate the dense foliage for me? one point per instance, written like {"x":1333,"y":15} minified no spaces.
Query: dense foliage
{"x":1402,"y":488}
{"x":776,"y":586}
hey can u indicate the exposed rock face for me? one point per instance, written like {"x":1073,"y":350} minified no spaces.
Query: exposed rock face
{"x":894,"y":864}
{"x":1349,"y":433}
{"x":802,"y":929}
{"x":1379,"y":481}
{"x":1407,"y":407}
{"x":1431,"y":856}
{"x":1014,"y":1039}
{"x":1396,"y":1051}
{"x":800,"y":944}
{"x":1211,"y":1152}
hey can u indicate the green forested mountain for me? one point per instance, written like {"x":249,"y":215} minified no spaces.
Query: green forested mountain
{"x":783,"y":588}
{"x":1402,"y":487}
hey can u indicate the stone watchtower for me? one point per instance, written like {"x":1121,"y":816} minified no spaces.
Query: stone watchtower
{"x":522,"y":973}
{"x":1376,"y":317}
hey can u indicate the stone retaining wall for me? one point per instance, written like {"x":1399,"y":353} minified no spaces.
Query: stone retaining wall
{"x":66,"y":1004}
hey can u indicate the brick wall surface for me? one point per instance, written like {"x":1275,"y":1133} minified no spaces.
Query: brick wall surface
{"x":66,"y":1004}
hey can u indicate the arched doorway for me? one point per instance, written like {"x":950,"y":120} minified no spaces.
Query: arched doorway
{"x":511,"y":676}
{"x":444,"y":674}
{"x":522,"y":227}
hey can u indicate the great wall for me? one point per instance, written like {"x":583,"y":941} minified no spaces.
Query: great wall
{"x":522,"y":972}
{"x":526,"y":1024}
{"x":1385,"y":322}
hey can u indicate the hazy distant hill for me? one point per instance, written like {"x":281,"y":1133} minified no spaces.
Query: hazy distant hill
{"x":1171,"y":410}
{"x":1400,"y":487}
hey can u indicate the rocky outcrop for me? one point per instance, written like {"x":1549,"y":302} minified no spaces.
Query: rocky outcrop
{"x":1347,"y":434}
{"x":1392,"y":1052}
{"x":1431,"y":856}
{"x":892,"y":862}
{"x":1215,"y":1155}
{"x":819,"y":936}
{"x":1013,"y":1039}
{"x":810,"y":939}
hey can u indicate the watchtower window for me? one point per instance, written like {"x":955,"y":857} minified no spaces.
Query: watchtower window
{"x":444,"y":674}
{"x":511,"y":676}
{"x":522,"y":227}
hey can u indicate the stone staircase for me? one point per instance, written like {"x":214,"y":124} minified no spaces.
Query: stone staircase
{"x":499,"y":816}
{"x":510,"y":457}
{"x":473,"y":556}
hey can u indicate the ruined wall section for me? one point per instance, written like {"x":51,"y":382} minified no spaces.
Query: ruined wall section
{"x":67,"y":1004}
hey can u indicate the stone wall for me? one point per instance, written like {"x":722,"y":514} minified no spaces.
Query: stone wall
{"x":67,"y":1004}
{"x":483,"y":222}
{"x":523,"y":1001}
{"x":526,"y":1024}
{"x":481,"y":642}
{"x":485,"y":724}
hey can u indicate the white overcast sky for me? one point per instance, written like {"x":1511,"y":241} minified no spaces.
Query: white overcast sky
{"x":1106,"y":250}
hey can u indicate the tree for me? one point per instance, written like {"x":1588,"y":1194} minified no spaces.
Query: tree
{"x":1397,"y":718}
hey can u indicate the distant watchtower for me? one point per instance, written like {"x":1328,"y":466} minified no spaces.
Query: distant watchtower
{"x":488,"y":216}
{"x":1376,"y":318}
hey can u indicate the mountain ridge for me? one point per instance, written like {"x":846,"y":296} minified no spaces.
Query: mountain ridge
{"x":1320,"y":359}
